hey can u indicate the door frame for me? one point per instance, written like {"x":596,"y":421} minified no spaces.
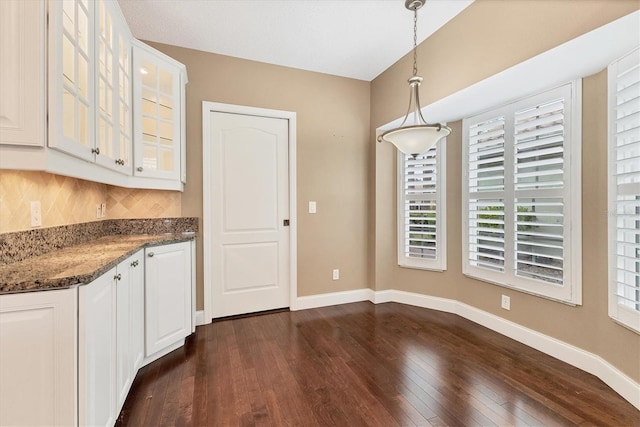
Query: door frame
{"x":207,"y":213}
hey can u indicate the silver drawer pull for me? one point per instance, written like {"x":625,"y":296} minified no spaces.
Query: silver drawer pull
{"x":150,"y":255}
{"x":134,"y":263}
{"x":117,"y":277}
{"x":139,"y":169}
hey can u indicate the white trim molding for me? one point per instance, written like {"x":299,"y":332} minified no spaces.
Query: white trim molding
{"x":207,"y":215}
{"x":332,"y":298}
{"x":200,"y":319}
{"x":575,"y":356}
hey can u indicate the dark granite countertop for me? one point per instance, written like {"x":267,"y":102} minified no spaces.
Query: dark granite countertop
{"x":78,"y":264}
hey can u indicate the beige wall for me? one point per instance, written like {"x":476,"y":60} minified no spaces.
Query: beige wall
{"x":332,"y":151}
{"x":67,"y":200}
{"x":487,"y":38}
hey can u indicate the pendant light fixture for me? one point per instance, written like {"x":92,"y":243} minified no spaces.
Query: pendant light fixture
{"x":414,"y":135}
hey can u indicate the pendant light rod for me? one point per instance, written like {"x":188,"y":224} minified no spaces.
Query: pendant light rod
{"x":415,"y":136}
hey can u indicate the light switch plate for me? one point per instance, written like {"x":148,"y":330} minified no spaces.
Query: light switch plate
{"x":312,"y":207}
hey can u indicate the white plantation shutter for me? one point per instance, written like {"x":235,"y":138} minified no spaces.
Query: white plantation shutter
{"x":421,"y":204}
{"x":486,"y":191}
{"x":539,"y":184}
{"x":486,"y":233}
{"x":624,"y":190}
{"x":521,"y":217}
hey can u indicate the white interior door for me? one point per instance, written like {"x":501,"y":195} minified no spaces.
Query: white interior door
{"x":250,"y":213}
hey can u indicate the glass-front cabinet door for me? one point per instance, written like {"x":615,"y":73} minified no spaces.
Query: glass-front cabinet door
{"x":71,"y":68}
{"x":113,"y":88}
{"x":90,"y":82}
{"x":157,"y":107}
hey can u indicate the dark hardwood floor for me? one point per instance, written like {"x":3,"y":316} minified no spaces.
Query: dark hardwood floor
{"x":365,"y":365}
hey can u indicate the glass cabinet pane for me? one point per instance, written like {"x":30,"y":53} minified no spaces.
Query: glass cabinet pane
{"x":68,"y":115}
{"x":149,"y":74}
{"x":68,"y":61}
{"x":158,"y":119}
{"x":75,"y":73}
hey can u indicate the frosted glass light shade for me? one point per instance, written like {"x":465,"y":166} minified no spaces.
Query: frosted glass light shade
{"x":414,"y":140}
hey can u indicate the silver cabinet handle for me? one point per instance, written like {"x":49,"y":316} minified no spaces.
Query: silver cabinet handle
{"x":95,"y":150}
{"x":117,"y":277}
{"x":139,"y":169}
{"x":150,"y":255}
{"x":134,"y":263}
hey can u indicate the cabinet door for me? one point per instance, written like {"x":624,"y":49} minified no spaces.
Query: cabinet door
{"x":129,"y":324}
{"x":37,"y":358}
{"x":71,"y":77}
{"x":113,"y":88}
{"x":167,"y":295}
{"x":124,"y":362}
{"x":97,"y":351}
{"x":157,"y":115}
{"x":136,"y":282}
{"x":22,"y":78}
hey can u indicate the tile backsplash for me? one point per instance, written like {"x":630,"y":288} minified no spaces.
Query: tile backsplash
{"x":133,"y":203}
{"x":66,"y":200}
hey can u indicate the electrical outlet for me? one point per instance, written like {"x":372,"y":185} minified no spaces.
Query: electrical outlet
{"x":36,"y":214}
{"x":336,"y":274}
{"x":506,"y":302}
{"x":312,"y":207}
{"x":103,"y":210}
{"x":98,"y":210}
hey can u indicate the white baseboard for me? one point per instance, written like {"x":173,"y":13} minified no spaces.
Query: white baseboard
{"x":200,"y":318}
{"x":333,"y":298}
{"x":589,"y":362}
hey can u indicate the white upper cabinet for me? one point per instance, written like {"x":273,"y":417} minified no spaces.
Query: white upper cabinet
{"x":113,"y":88}
{"x":22,"y":83}
{"x":73,"y":103}
{"x":158,"y":110}
{"x":90,"y":82}
{"x":71,"y":77}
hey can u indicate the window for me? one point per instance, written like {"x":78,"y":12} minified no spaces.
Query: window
{"x":421,"y":209}
{"x":521,"y":191}
{"x":624,"y":190}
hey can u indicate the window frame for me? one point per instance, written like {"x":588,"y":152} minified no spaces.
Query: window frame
{"x":627,"y":317}
{"x":571,"y":290}
{"x":440,"y":261}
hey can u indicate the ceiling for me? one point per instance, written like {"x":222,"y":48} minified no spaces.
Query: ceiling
{"x":350,"y":38}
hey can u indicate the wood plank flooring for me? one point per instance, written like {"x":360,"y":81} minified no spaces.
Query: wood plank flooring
{"x":365,"y":365}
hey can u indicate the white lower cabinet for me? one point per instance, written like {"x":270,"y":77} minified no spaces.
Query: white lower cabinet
{"x":129,"y":323}
{"x":97,"y":351}
{"x":110,"y":337}
{"x":69,"y":357}
{"x":38,"y":358}
{"x":168,"y":281}
{"x":136,"y":283}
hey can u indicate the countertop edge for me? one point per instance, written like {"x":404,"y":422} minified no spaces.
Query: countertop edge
{"x":57,"y":283}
